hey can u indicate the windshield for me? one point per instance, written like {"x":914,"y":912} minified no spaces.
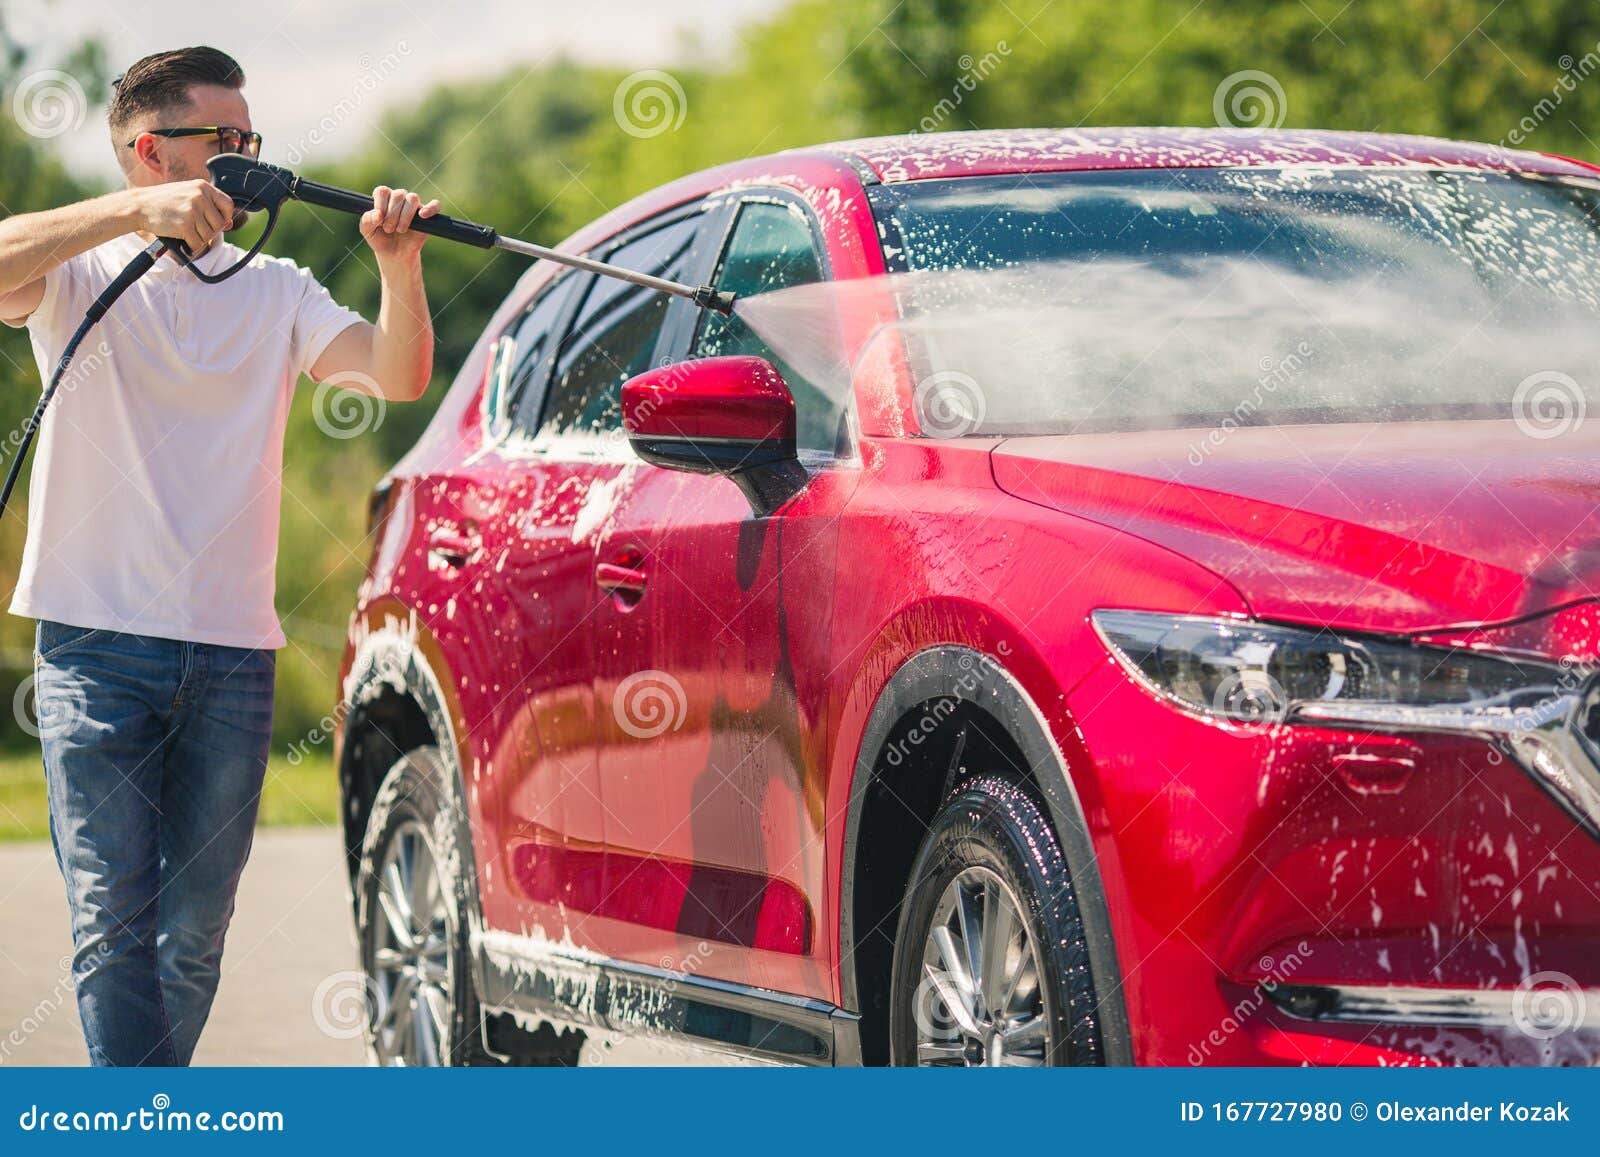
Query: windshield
{"x":1063,"y":303}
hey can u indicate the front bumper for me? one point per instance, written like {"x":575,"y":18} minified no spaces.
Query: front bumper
{"x":1301,"y":894}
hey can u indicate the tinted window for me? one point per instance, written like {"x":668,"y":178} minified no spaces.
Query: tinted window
{"x":771,"y":248}
{"x":526,"y":354}
{"x":614,"y":334}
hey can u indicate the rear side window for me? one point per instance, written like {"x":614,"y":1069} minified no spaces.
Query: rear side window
{"x":613,"y":335}
{"x":772,"y":247}
{"x":522,"y":357}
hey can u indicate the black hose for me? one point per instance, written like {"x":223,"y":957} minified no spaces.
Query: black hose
{"x":135,"y":269}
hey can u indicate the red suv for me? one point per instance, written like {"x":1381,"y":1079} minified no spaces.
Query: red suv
{"x":1110,"y":596}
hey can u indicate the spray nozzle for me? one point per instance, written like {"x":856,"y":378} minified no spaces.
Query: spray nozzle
{"x":720,"y":300}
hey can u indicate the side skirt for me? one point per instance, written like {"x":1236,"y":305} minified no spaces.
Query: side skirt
{"x":540,"y":979}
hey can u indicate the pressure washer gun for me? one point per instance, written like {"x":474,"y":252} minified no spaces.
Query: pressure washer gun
{"x":259,"y":187}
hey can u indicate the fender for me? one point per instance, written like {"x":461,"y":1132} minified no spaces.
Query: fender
{"x":394,"y":658}
{"x":965,"y":674}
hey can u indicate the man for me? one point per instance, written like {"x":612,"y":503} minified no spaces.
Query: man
{"x":153,"y":530}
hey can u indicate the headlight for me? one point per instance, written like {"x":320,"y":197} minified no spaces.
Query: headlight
{"x":1545,"y":715}
{"x":1256,"y":672}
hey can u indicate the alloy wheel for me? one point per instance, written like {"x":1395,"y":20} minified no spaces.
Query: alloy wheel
{"x":412,"y":970}
{"x":981,"y":1001}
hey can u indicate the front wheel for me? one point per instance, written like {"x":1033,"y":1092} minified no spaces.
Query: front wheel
{"x":990,"y":962}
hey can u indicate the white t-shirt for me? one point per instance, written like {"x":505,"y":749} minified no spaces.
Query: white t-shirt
{"x":155,"y":493}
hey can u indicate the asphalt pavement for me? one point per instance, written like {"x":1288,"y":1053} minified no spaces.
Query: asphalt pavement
{"x":289,"y":993}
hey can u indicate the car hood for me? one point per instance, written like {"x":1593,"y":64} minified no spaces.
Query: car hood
{"x":1383,"y":527}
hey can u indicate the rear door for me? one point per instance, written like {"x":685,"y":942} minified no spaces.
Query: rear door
{"x":710,"y":651}
{"x":535,"y":671}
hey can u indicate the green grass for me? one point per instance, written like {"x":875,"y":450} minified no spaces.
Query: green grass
{"x":294,"y":795}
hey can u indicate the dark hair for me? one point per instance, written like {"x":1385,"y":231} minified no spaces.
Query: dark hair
{"x":161,"y":82}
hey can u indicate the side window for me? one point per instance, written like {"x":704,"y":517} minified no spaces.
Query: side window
{"x":772,"y":248}
{"x":614,"y":333}
{"x":521,"y":358}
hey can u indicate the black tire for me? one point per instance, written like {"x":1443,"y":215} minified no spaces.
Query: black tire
{"x":992,"y":839}
{"x":417,"y":801}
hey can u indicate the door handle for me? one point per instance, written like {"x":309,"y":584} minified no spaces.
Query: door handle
{"x":617,"y":578}
{"x":452,"y":548}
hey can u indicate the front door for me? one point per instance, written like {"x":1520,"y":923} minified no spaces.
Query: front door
{"x":710,"y":661}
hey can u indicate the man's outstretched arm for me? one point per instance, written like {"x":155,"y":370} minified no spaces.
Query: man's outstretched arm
{"x":32,"y":244}
{"x":396,"y":354}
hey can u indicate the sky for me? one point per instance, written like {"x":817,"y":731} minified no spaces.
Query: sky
{"x":321,"y":72}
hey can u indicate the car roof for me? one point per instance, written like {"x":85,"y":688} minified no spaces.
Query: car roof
{"x":1017,"y":151}
{"x":932,"y":156}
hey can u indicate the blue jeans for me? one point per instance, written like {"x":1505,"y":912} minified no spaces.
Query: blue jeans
{"x":154,"y":755}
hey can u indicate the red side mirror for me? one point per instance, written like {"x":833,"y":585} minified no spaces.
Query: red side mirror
{"x":728,"y":415}
{"x":742,"y":399}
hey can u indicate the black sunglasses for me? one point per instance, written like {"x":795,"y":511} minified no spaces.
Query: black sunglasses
{"x":232,"y":140}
